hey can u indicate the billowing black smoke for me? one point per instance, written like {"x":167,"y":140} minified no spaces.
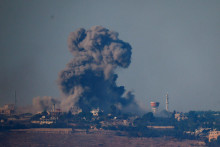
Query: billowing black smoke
{"x":89,"y":79}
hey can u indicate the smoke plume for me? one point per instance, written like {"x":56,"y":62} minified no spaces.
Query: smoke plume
{"x":89,"y":79}
{"x":44,"y":103}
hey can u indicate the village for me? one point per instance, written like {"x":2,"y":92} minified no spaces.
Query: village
{"x":196,"y":125}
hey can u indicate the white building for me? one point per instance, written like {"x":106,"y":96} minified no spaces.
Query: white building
{"x":95,"y":112}
{"x":180,"y":116}
{"x":7,"y":109}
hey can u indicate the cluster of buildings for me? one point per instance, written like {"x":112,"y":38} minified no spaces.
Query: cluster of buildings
{"x":8,"y":109}
{"x":205,"y":133}
{"x":213,"y":135}
{"x":180,"y":116}
{"x":43,"y":120}
{"x":54,"y":114}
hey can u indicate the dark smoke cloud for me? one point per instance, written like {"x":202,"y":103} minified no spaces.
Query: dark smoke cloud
{"x":89,"y":79}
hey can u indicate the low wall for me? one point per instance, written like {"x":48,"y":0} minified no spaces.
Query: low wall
{"x":46,"y":130}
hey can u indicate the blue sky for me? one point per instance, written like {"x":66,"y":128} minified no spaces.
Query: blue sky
{"x":175,"y":48}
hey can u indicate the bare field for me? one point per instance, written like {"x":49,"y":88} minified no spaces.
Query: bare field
{"x":82,"y":138}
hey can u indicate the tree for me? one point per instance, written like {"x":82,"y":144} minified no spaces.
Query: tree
{"x":87,"y":115}
{"x":148,"y":117}
{"x":69,"y":115}
{"x":36,"y":117}
{"x":113,"y":110}
{"x":192,"y":116}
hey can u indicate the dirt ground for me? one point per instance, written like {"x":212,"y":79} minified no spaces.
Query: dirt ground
{"x":100,"y":138}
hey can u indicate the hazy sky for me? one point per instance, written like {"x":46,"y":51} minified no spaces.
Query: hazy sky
{"x":175,"y":47}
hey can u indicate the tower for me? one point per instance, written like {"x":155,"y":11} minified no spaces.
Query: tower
{"x":154,"y":106}
{"x":54,"y":107}
{"x":167,"y":102}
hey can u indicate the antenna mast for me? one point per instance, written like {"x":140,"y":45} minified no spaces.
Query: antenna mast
{"x":167,"y":102}
{"x":15,"y":98}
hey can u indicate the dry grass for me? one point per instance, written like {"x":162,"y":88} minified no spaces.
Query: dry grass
{"x":83,"y":139}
